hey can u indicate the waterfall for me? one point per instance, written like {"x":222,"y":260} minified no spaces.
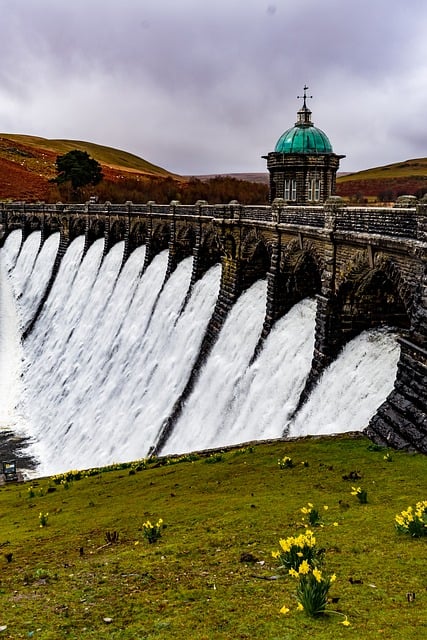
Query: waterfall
{"x":34,"y":287}
{"x":11,"y":247}
{"x":352,"y":387}
{"x":100,"y":382}
{"x":113,"y":348}
{"x":10,"y":356}
{"x":25,"y":263}
{"x":235,"y":401}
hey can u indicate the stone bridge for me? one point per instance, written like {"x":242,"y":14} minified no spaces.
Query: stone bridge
{"x":365,"y":265}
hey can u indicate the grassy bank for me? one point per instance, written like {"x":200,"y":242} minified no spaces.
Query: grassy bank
{"x":91,"y":574}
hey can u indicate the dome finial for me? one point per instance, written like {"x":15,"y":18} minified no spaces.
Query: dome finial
{"x":304,"y":114}
{"x":304,"y":97}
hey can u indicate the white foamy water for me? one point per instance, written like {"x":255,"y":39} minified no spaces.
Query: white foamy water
{"x":10,"y":355}
{"x":352,"y":387}
{"x":112,"y":351}
{"x":121,"y":372}
{"x":11,"y":248}
{"x":25,"y":263}
{"x":35,"y":285}
{"x":268,"y":392}
{"x":201,"y":422}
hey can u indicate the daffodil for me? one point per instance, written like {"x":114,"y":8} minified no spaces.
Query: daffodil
{"x":284,"y":609}
{"x":317,"y":574}
{"x":304,"y":568}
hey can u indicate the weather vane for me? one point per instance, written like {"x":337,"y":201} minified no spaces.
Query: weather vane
{"x":305,"y":96}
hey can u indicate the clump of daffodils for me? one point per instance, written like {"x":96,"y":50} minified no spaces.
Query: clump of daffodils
{"x":413,"y":520}
{"x":302,"y":560}
{"x":313,"y":515}
{"x":43,"y":518}
{"x":312,"y":590}
{"x":361,"y":494}
{"x":285,"y":462}
{"x":152,"y":532}
{"x":298,"y":549}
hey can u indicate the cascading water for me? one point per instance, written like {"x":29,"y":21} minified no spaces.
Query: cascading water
{"x":25,"y":263}
{"x":100,"y":383}
{"x":112,"y":350}
{"x":10,"y":250}
{"x":352,"y":387}
{"x":10,"y":356}
{"x":35,"y":286}
{"x":201,"y":422}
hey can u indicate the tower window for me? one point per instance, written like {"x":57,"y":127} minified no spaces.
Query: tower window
{"x":314,"y":190}
{"x":290,"y":191}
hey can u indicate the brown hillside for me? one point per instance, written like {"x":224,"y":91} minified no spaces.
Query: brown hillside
{"x":27,"y":166}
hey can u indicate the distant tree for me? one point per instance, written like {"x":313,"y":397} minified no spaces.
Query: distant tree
{"x":78,"y":168}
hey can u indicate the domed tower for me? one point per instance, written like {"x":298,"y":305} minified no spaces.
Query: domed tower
{"x":303,"y":166}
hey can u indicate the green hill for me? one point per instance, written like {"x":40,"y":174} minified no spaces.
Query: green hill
{"x":104,"y":155}
{"x":386,"y":182}
{"x":90,"y":573}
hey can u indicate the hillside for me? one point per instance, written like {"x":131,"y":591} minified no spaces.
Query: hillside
{"x":27,"y":164}
{"x":385,"y":183}
{"x":76,"y":563}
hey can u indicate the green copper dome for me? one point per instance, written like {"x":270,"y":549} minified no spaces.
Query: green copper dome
{"x":304,"y":137}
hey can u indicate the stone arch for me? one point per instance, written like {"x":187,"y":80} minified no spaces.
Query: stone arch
{"x":300,"y":272}
{"x":34,"y":224}
{"x":51,"y":225}
{"x":117,"y":232}
{"x":210,"y":248}
{"x":160,"y":237}
{"x":77,"y":227}
{"x":185,"y":241}
{"x":393,"y":273}
{"x":371,"y":296}
{"x":137,"y":235}
{"x":15,"y":222}
{"x":256,"y":263}
{"x":95,"y":230}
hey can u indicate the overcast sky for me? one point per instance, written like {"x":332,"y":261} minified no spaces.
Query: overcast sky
{"x":201,"y":86}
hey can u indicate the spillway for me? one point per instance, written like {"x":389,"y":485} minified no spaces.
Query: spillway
{"x":114,"y":347}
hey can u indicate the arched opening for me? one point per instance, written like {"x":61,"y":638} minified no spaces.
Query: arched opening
{"x":302,"y":276}
{"x":159,"y":239}
{"x":137,"y":235}
{"x":256,"y":265}
{"x":370,"y":300}
{"x":185,"y":241}
{"x":117,"y":232}
{"x":77,"y":227}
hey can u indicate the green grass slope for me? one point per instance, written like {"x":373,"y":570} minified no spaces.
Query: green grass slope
{"x":211,"y":575}
{"x":115,"y":158}
{"x":415,"y":167}
{"x":386,"y":182}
